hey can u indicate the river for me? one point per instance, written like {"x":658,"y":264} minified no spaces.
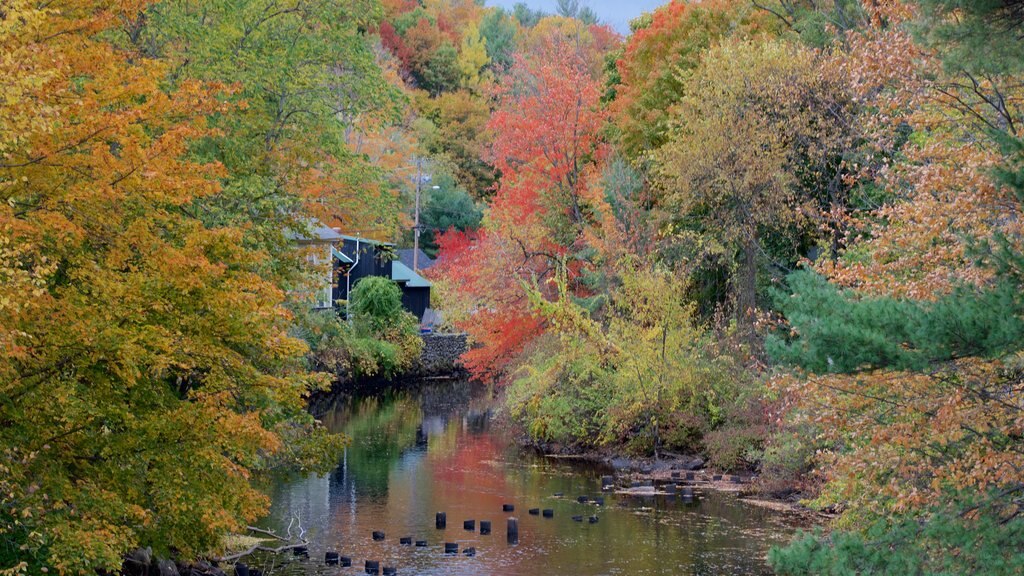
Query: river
{"x":440,"y":449}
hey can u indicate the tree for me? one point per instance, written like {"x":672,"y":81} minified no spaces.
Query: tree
{"x":448,"y":208}
{"x":638,"y":373}
{"x":499,"y":30}
{"x":441,"y":73}
{"x":914,"y":424}
{"x":547,"y":130}
{"x":472,"y":57}
{"x":658,"y":58}
{"x":548,"y":126}
{"x":527,"y":17}
{"x":730,"y":187}
{"x":568,"y":8}
{"x":479,"y":287}
{"x":307,"y":80}
{"x":911,"y":368}
{"x":460,"y":138}
{"x":146,"y":372}
{"x":939,"y":196}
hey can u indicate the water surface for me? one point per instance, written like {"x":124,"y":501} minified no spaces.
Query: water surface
{"x":440,"y":449}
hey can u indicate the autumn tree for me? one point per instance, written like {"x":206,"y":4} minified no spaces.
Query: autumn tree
{"x":639,"y":373}
{"x":547,"y":137}
{"x":909,"y":370}
{"x":666,"y":45}
{"x":726,"y":189}
{"x":548,"y":132}
{"x":457,"y":137}
{"x":309,"y":82}
{"x":472,"y":57}
{"x":499,"y":29}
{"x":146,"y":370}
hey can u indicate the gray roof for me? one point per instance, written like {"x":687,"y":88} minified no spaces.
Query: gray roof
{"x":405,"y":257}
{"x":318,"y":232}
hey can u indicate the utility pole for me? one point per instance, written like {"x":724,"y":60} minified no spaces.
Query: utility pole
{"x":416,"y":226}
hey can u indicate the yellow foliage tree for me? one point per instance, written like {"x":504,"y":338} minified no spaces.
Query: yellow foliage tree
{"x":748,"y":108}
{"x":473,"y":57}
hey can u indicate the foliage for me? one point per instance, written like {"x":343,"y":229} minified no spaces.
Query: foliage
{"x":448,"y":208}
{"x":146,"y":371}
{"x":640,"y":375}
{"x":472,"y":57}
{"x":983,"y":37}
{"x":732,"y":188}
{"x":441,"y":71}
{"x":499,"y":30}
{"x":527,"y":17}
{"x":832,"y":330}
{"x":382,"y":339}
{"x":460,"y":139}
{"x":658,"y":58}
{"x":390,"y":332}
{"x":547,"y":128}
{"x":976,"y":539}
{"x":287,"y":145}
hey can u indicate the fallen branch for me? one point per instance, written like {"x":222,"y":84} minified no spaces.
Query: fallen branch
{"x":293,"y":542}
{"x":232,"y":557}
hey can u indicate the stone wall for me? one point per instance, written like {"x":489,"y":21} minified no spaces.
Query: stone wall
{"x":441,"y":354}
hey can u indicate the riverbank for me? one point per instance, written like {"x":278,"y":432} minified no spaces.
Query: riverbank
{"x":670,"y":475}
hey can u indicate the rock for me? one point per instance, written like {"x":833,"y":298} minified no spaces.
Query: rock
{"x":137,"y":562}
{"x":662,"y":466}
{"x":620,"y":463}
{"x":167,"y":568}
{"x":695,"y":464}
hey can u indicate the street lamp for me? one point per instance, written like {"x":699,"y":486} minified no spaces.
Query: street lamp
{"x":416,"y":226}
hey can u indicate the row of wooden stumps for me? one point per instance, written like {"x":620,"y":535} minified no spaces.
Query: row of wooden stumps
{"x":440,"y":522}
{"x":511,"y":529}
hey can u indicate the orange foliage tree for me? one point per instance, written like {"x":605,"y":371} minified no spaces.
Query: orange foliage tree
{"x":146,"y":368}
{"x":547,"y":140}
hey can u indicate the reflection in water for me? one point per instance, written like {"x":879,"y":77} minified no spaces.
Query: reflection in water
{"x":438,"y":450}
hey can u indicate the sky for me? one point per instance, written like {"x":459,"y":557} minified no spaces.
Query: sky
{"x":618,"y":13}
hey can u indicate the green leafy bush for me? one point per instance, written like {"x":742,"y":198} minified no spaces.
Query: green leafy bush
{"x":382,"y":338}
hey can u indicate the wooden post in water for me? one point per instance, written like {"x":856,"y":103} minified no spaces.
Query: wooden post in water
{"x":513,"y":531}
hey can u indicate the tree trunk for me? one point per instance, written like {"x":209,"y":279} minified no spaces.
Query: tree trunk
{"x":746,"y":287}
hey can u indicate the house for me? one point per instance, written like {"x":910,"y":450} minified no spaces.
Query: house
{"x":323,"y":243}
{"x":372,"y":258}
{"x":415,"y":289}
{"x":355,"y":258}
